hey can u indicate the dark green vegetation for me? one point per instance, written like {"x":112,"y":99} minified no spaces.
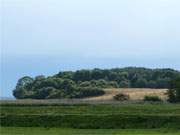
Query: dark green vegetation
{"x":70,"y":84}
{"x":59,"y":131}
{"x":127,"y":116}
{"x":121,"y":97}
{"x":174,"y":91}
{"x":152,"y":98}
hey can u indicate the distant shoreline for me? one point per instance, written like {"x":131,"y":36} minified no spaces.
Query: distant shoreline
{"x":7,"y":98}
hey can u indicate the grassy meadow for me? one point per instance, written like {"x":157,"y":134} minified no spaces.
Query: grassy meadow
{"x":99,"y":115}
{"x":125,"y":116}
{"x":59,"y":131}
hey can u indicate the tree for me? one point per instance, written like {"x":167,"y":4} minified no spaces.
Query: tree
{"x":151,"y":84}
{"x":65,"y":75}
{"x":174,"y":91}
{"x":172,"y":95}
{"x":124,"y":84}
{"x":113,"y":76}
{"x":85,"y":84}
{"x":40,"y":77}
{"x":66,"y":84}
{"x":69,"y":87}
{"x":88,"y":92}
{"x":97,"y":74}
{"x":82,"y":75}
{"x":44,"y":93}
{"x":20,"y":93}
{"x":141,"y":83}
{"x":22,"y":87}
{"x":24,"y":81}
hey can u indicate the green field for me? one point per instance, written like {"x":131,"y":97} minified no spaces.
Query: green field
{"x":58,"y":131}
{"x":131,"y":109}
{"x":124,"y":116}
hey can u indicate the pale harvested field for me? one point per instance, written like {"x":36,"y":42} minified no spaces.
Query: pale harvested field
{"x":134,"y":93}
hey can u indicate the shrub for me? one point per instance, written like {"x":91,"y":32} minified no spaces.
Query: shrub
{"x":152,"y":98}
{"x":113,"y":121}
{"x":89,"y":92}
{"x":174,"y":91}
{"x":121,"y":97}
{"x":172,"y":96}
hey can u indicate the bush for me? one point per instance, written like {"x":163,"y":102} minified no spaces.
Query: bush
{"x":113,"y":121}
{"x":89,"y":92}
{"x":172,"y":96}
{"x":174,"y":91}
{"x":121,"y":97}
{"x":152,"y":98}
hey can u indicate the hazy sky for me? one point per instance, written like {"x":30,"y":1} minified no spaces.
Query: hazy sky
{"x":45,"y":36}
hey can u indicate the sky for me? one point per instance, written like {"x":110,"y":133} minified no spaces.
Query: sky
{"x":48,"y":36}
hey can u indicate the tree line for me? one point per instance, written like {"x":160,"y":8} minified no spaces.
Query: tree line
{"x":83,"y":83}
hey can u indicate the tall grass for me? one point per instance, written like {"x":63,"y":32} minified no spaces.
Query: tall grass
{"x":93,"y":116}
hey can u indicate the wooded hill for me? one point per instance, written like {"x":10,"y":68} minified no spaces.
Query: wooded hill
{"x":84,"y":83}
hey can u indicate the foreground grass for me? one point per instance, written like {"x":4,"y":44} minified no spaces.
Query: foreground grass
{"x":126,"y":116}
{"x":131,"y":109}
{"x":59,"y":131}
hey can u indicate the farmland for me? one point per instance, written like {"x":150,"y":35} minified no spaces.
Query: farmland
{"x":136,"y":96}
{"x":134,"y":93}
{"x":96,"y":115}
{"x":59,"y":131}
{"x":93,"y":116}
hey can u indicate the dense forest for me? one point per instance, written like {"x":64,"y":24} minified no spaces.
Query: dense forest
{"x":84,"y":83}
